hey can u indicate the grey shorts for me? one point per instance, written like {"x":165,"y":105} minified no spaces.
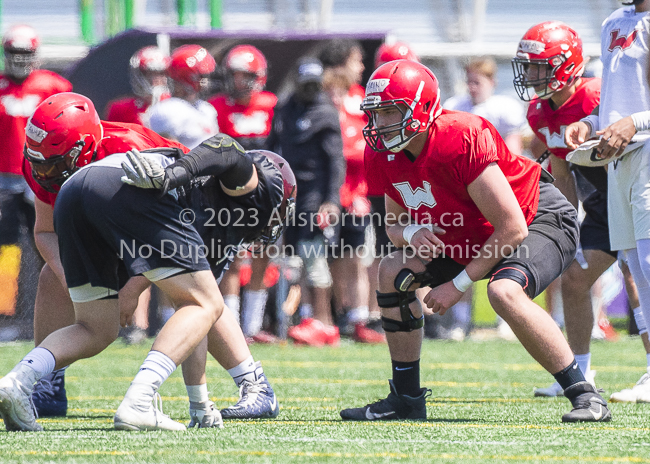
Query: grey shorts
{"x":542,"y":257}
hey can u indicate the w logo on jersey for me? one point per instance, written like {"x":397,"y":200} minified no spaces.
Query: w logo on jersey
{"x":20,"y":107}
{"x":414,"y":198}
{"x":622,"y":42}
{"x":553,"y":140}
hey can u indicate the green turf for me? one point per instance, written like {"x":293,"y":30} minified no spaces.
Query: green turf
{"x":481,"y":410}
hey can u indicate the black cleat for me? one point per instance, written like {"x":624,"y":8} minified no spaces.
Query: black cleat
{"x":392,"y":408}
{"x":588,"y":405}
{"x":49,"y":395}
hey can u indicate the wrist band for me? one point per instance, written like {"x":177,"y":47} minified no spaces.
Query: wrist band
{"x":410,"y":230}
{"x":462,"y":282}
{"x":593,"y":122}
{"x":641,"y":120}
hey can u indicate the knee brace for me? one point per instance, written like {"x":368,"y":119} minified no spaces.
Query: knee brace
{"x":409,"y":322}
{"x":402,"y":298}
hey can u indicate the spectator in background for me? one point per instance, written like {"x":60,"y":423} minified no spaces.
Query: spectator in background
{"x":245,"y":112}
{"x":307,"y":133}
{"x":343,"y":63}
{"x":148,"y":77}
{"x":383,"y":246}
{"x":505,"y":113}
{"x":22,"y":87}
{"x":185,"y":117}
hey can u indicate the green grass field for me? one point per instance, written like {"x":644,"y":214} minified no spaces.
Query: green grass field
{"x":481,"y":410}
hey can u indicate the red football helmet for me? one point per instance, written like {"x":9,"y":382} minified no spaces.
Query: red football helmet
{"x":190,"y":66}
{"x":61,"y":136}
{"x":285,"y":210}
{"x":250,"y":62}
{"x":396,"y":51}
{"x":148,"y":67}
{"x":408,"y":86}
{"x":549,"y":57}
{"x":20,"y":44}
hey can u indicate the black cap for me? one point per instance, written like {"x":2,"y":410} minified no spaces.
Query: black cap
{"x":309,"y":70}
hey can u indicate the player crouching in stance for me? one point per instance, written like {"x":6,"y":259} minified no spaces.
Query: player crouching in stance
{"x":499,"y":219}
{"x":97,"y":217}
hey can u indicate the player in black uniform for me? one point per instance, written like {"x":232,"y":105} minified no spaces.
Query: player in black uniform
{"x":170,"y":230}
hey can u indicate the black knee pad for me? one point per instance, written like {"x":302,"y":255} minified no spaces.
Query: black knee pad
{"x":402,"y":300}
{"x":516,"y":273}
{"x":406,"y":277}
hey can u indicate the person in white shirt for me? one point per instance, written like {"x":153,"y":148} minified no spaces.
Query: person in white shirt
{"x":185,"y":117}
{"x":505,"y":113}
{"x":624,"y":113}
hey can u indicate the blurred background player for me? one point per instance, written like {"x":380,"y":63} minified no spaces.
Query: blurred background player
{"x":185,"y":117}
{"x":550,"y":78}
{"x":148,"y":78}
{"x":383,"y":246}
{"x":343,"y":63}
{"x":22,"y":87}
{"x":307,"y":133}
{"x":245,"y":112}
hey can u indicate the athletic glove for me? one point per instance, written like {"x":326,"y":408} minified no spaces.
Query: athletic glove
{"x":143,"y":171}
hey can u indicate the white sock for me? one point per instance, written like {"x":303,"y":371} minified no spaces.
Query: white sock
{"x":647,"y":357}
{"x":584,"y":362}
{"x":155,"y":369}
{"x":232,"y":301}
{"x":246,"y":370}
{"x":41,"y":361}
{"x":252,"y":314}
{"x":197,"y":393}
{"x":305,"y":311}
{"x":358,"y":315}
{"x":640,"y":320}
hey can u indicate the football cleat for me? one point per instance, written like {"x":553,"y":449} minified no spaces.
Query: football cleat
{"x":205,"y":415}
{"x":49,"y":395}
{"x":16,"y":406}
{"x":556,"y":390}
{"x":588,"y":405}
{"x":364,"y":334}
{"x":143,"y":413}
{"x":256,"y":401}
{"x":394,"y":407}
{"x":551,"y":391}
{"x":313,"y":332}
{"x":639,"y":393}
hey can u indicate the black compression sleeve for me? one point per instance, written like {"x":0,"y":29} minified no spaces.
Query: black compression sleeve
{"x":219,"y":156}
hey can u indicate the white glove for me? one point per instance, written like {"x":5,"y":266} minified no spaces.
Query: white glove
{"x":143,"y":171}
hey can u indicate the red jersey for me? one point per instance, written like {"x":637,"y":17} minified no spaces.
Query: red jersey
{"x":245,"y":121}
{"x":17,"y":103}
{"x":353,"y":120}
{"x":433,"y":187}
{"x":549,"y":125}
{"x":129,"y":109}
{"x":118,"y":138}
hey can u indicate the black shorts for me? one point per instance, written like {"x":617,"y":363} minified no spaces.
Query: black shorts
{"x":383,"y":245}
{"x":594,"y":230}
{"x":545,"y":253}
{"x":353,"y":232}
{"x":109,"y":231}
